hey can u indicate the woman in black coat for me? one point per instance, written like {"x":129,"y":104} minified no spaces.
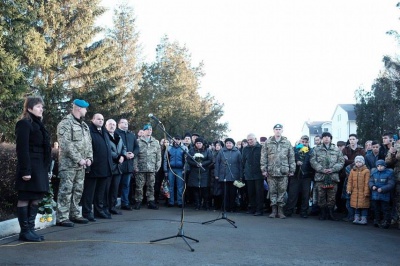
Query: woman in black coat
{"x":34,"y":157}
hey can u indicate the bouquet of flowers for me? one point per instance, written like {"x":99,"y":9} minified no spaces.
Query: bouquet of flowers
{"x":198,"y":157}
{"x":303,"y":150}
{"x":46,"y":206}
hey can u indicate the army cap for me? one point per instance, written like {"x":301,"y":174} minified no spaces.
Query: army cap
{"x":81,"y":103}
{"x":278,"y":126}
{"x":305,"y":137}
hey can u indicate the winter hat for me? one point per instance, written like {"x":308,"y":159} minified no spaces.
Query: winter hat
{"x":231,"y":140}
{"x":327,"y":134}
{"x":199,"y":140}
{"x":380,"y":162}
{"x":359,"y":158}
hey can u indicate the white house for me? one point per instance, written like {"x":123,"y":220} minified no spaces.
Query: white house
{"x":343,"y":124}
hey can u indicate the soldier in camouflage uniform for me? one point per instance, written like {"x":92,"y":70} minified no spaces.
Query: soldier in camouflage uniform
{"x":393,"y":158}
{"x":277,"y":163}
{"x":74,"y":156}
{"x":146,"y":165}
{"x":327,"y":160}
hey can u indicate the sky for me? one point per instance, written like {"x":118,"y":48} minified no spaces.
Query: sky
{"x":272,"y":62}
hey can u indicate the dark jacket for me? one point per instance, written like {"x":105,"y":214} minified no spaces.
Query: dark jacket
{"x":370,"y":160}
{"x":102,"y":160}
{"x":118,"y":150}
{"x":199,"y":177}
{"x":351,"y":154}
{"x":228,"y":165}
{"x":174,"y":158}
{"x":306,"y":169}
{"x":130,"y":141}
{"x":251,"y":156}
{"x":384,"y":180}
{"x":33,"y":155}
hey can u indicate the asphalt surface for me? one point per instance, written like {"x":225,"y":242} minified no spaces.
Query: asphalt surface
{"x":125,"y":240}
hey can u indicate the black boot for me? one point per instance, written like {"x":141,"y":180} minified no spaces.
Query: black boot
{"x":322,"y":213}
{"x":33,"y":210}
{"x":331,"y":216}
{"x":25,"y":234}
{"x":152,"y":205}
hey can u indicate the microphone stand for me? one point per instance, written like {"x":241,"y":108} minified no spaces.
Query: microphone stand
{"x":181,"y":232}
{"x":224,"y":216}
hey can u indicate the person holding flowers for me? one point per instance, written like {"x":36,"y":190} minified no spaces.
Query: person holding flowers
{"x":34,"y":157}
{"x":199,"y":173}
{"x":300,"y":182}
{"x":327,"y":160}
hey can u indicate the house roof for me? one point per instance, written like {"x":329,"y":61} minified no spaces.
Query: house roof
{"x":350,"y":109}
{"x":314,"y":124}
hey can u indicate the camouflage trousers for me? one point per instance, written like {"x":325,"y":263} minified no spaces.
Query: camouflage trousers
{"x":142,"y":179}
{"x":326,"y":196}
{"x":277,"y":189}
{"x":69,"y":194}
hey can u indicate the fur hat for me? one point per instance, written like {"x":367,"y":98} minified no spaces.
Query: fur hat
{"x":231,"y":140}
{"x":359,"y":158}
{"x":199,"y":140}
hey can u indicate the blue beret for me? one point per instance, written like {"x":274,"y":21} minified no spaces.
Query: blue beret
{"x":278,"y":126}
{"x":81,"y":103}
{"x":147,"y":126}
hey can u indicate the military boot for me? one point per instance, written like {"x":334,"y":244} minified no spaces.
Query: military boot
{"x":322,"y":214}
{"x":331,"y":216}
{"x":25,"y":234}
{"x":33,"y":210}
{"x":152,"y":205}
{"x":281,"y":215}
{"x":274,"y":211}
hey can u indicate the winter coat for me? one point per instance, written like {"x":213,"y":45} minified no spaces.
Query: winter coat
{"x":277,"y":157}
{"x":102,"y":160}
{"x":322,"y":158}
{"x":358,"y":187}
{"x":251,"y":157}
{"x":149,"y":156}
{"x":174,"y":158}
{"x":33,"y":155}
{"x":131,"y":144}
{"x":75,"y":143}
{"x":118,"y":150}
{"x":197,"y":176}
{"x":351,"y":154}
{"x":370,"y":160}
{"x":384,"y":180}
{"x":228,"y":159}
{"x":305,"y":170}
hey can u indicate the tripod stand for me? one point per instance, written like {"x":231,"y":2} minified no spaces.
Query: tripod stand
{"x":181,"y":232}
{"x":224,"y":216}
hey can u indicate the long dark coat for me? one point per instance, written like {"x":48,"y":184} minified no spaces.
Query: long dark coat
{"x":233,"y":158}
{"x":251,"y":156}
{"x":33,"y":155}
{"x":130,"y":141}
{"x":102,"y":160}
{"x":199,"y":177}
{"x":118,"y":150}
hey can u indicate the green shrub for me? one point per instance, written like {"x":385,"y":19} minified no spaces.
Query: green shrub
{"x":8,"y":194}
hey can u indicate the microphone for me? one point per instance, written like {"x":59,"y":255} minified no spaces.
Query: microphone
{"x":155,"y":118}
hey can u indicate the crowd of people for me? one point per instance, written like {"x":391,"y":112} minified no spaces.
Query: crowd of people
{"x":98,"y":162}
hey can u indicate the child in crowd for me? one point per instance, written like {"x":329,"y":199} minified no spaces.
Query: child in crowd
{"x":357,"y":187}
{"x":381,"y":183}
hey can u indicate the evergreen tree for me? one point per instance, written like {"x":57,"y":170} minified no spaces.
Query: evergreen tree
{"x":169,"y":89}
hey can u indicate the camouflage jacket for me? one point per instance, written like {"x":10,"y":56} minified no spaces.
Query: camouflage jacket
{"x":277,"y":158}
{"x":75,"y":143}
{"x":326,"y":158}
{"x":149,"y":156}
{"x":394,"y":159}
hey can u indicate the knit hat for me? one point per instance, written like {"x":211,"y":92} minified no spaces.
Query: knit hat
{"x":326,"y":134}
{"x":359,"y":158}
{"x":231,"y":140}
{"x":380,"y":162}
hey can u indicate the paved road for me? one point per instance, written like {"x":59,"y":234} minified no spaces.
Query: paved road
{"x":125,"y":240}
